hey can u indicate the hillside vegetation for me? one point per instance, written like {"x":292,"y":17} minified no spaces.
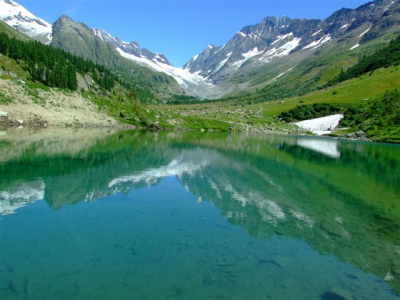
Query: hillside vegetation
{"x":378,"y":118}
{"x":384,"y":58}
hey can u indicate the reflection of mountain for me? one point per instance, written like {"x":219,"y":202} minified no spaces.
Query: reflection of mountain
{"x":345,"y":205}
{"x":18,"y":196}
{"x":190,"y":163}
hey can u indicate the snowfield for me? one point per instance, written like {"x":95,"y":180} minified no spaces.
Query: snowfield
{"x":18,"y":17}
{"x":321,"y":126}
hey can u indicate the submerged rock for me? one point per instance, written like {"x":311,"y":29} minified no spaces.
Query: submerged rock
{"x":336,"y":293}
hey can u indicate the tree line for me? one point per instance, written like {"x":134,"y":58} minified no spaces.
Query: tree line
{"x":54,"y":67}
{"x":384,"y":58}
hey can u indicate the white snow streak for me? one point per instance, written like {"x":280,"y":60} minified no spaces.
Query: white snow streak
{"x":362,"y":34}
{"x":317,"y":32}
{"x":319,"y":43}
{"x":355,"y":46}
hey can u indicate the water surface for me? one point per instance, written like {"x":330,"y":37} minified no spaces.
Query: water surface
{"x":131,"y":215}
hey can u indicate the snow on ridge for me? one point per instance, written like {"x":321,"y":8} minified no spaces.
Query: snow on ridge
{"x":241,"y":34}
{"x":17,"y":16}
{"x":316,"y":44}
{"x":236,"y":66}
{"x":282,"y":37}
{"x":222,"y":63}
{"x":182,"y":76}
{"x":284,"y":50}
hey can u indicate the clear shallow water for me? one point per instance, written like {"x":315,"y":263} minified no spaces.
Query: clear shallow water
{"x":97,"y":215}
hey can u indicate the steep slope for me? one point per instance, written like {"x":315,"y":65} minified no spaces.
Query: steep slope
{"x":79,"y":39}
{"x":18,"y":17}
{"x":193,"y":83}
{"x":13,"y":33}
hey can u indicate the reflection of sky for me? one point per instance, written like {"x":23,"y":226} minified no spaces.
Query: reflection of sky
{"x":19,"y":196}
{"x":328,"y":147}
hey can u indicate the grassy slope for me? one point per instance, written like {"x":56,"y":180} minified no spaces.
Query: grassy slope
{"x":308,"y":73}
{"x":243,"y":115}
{"x":12,"y":33}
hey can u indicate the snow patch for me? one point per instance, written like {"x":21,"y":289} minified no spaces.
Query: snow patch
{"x":236,"y":66}
{"x":241,"y":34}
{"x":355,"y":46}
{"x":344,"y":26}
{"x":322,"y":125}
{"x":316,"y":44}
{"x":284,"y":50}
{"x":282,"y":37}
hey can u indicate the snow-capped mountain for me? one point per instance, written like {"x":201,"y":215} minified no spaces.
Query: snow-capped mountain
{"x":158,"y":62}
{"x":274,"y":38}
{"x":18,"y":17}
{"x":261,"y":53}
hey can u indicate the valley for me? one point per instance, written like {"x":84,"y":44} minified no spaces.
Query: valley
{"x":264,"y":70}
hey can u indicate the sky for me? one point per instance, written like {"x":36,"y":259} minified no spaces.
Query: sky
{"x":180,"y":29}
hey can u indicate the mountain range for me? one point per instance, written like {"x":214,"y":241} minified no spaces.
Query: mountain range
{"x":270,"y":52}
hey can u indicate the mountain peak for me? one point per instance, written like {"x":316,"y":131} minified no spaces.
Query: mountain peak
{"x":21,"y":19}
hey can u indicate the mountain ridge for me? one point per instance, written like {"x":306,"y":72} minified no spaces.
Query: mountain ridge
{"x":256,"y":56}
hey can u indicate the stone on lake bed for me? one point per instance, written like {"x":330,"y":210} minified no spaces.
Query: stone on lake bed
{"x":336,"y":293}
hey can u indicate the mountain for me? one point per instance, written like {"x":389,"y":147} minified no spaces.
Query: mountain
{"x":261,"y":54}
{"x":80,"y":40}
{"x":18,"y":17}
{"x":97,"y":46}
{"x":280,"y":56}
{"x":193,"y":83}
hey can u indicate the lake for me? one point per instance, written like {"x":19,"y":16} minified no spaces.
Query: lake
{"x":98,"y":214}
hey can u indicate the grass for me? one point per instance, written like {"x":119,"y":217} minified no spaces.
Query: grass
{"x":4,"y":99}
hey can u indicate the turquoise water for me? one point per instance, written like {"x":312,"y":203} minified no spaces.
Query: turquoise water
{"x":130,"y":215}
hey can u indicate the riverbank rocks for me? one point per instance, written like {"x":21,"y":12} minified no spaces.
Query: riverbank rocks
{"x":356,"y":135}
{"x":7,"y":120}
